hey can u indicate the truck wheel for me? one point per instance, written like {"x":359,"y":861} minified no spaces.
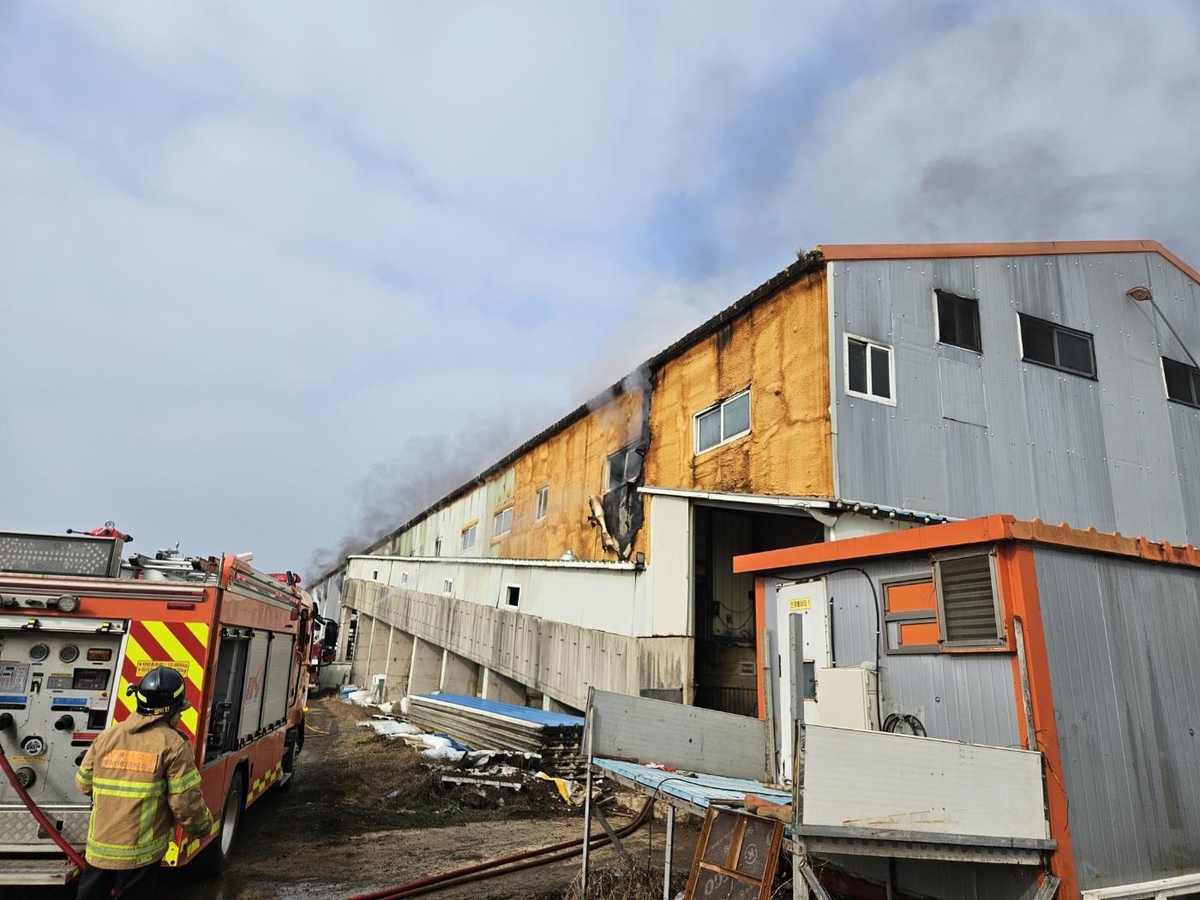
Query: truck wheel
{"x":289,"y":770}
{"x":214,"y":859}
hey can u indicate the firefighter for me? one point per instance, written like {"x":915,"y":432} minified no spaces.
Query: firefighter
{"x":141,"y":774}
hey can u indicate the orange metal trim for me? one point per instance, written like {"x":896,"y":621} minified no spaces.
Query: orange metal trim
{"x":1019,"y":588}
{"x":850,"y":252}
{"x":972,"y":531}
{"x":930,"y":537}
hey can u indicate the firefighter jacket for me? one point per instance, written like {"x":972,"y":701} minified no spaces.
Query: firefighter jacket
{"x":142,"y":776}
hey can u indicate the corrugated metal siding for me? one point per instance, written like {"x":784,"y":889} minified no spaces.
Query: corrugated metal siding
{"x":961,"y":697}
{"x":1112,"y":453}
{"x":1185,"y":429}
{"x":1125,"y":672}
{"x":966,"y":697}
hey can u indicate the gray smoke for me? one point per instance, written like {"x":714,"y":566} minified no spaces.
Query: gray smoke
{"x":1066,"y":121}
{"x":427,"y":469}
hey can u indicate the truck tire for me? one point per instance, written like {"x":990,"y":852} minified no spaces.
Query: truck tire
{"x":214,"y":858}
{"x":289,"y":770}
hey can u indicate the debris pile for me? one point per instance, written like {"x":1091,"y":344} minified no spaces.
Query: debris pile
{"x":554,"y":737}
{"x":445,"y":729}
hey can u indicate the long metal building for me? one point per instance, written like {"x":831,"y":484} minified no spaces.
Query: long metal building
{"x":863,"y":389}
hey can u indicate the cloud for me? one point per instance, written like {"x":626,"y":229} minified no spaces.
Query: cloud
{"x":255,"y":257}
{"x":1030,"y":122}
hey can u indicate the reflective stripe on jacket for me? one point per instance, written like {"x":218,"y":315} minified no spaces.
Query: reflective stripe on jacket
{"x":142,"y":776}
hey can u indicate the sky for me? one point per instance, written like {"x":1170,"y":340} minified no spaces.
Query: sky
{"x":276,"y":276}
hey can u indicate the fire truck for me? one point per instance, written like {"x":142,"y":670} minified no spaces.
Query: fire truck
{"x":79,"y":625}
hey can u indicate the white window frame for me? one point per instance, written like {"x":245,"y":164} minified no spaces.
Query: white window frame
{"x":498,"y":519}
{"x":542,"y":503}
{"x":448,"y":587}
{"x":508,"y":594}
{"x":891,"y":352}
{"x":725,"y":438}
{"x":469,"y":536}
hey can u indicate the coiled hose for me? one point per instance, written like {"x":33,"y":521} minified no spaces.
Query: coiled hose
{"x":505,"y":864}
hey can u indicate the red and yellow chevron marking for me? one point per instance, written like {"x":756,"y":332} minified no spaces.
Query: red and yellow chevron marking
{"x":264,"y":781}
{"x":180,"y":645}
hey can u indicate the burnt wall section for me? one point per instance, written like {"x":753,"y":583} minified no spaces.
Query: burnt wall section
{"x":778,"y":350}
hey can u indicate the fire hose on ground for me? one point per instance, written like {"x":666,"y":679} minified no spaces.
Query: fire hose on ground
{"x":505,"y":864}
{"x":47,"y":825}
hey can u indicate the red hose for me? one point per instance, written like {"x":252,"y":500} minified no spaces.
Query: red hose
{"x":512,"y":863}
{"x":47,"y":827}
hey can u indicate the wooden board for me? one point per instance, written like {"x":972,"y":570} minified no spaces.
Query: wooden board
{"x":736,"y":857}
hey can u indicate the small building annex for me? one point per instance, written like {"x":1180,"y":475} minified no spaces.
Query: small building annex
{"x":864,"y":389}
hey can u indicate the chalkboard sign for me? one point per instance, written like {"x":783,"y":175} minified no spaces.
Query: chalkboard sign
{"x":735,"y":858}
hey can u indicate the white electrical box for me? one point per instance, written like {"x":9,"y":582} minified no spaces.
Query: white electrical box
{"x":848,"y":697}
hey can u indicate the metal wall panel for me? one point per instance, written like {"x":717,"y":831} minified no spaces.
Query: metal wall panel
{"x":1121,"y":636}
{"x":252,"y":689}
{"x":1111,"y":453}
{"x":652,"y":730}
{"x":557,"y":658}
{"x":962,"y":697}
{"x":1185,"y":429}
{"x":872,"y":779}
{"x":279,"y":664}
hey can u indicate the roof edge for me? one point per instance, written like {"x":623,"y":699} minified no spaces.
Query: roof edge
{"x":806,"y":263}
{"x":990,"y":529}
{"x":851,"y":252}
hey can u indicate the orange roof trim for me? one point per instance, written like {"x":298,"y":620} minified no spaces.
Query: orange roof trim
{"x":972,"y":531}
{"x":836,"y":252}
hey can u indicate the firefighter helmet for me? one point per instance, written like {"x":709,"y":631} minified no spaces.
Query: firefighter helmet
{"x":161,"y":690}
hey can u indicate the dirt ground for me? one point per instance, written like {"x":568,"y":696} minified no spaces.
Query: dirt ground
{"x":337,"y":834}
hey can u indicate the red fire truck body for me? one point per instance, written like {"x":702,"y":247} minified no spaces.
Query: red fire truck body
{"x":78,"y":626}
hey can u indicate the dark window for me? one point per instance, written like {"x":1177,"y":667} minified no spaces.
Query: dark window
{"x":881,"y":372}
{"x":624,"y":466}
{"x":1183,"y":382}
{"x":958,"y":321}
{"x":513,"y":595}
{"x":1061,"y":348}
{"x":967,"y":601}
{"x":856,"y":363}
{"x":869,"y":369}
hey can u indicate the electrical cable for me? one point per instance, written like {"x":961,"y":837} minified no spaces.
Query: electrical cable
{"x":894,"y":720}
{"x":878,"y":622}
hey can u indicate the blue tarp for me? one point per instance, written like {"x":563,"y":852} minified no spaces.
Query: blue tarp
{"x":524,"y":713}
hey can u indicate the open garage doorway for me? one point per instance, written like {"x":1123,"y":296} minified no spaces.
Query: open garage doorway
{"x":725,"y":620}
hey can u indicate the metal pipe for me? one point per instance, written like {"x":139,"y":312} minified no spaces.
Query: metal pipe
{"x":669,"y":852}
{"x":590,"y":725}
{"x":1026,"y":696}
{"x":1174,"y":333}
